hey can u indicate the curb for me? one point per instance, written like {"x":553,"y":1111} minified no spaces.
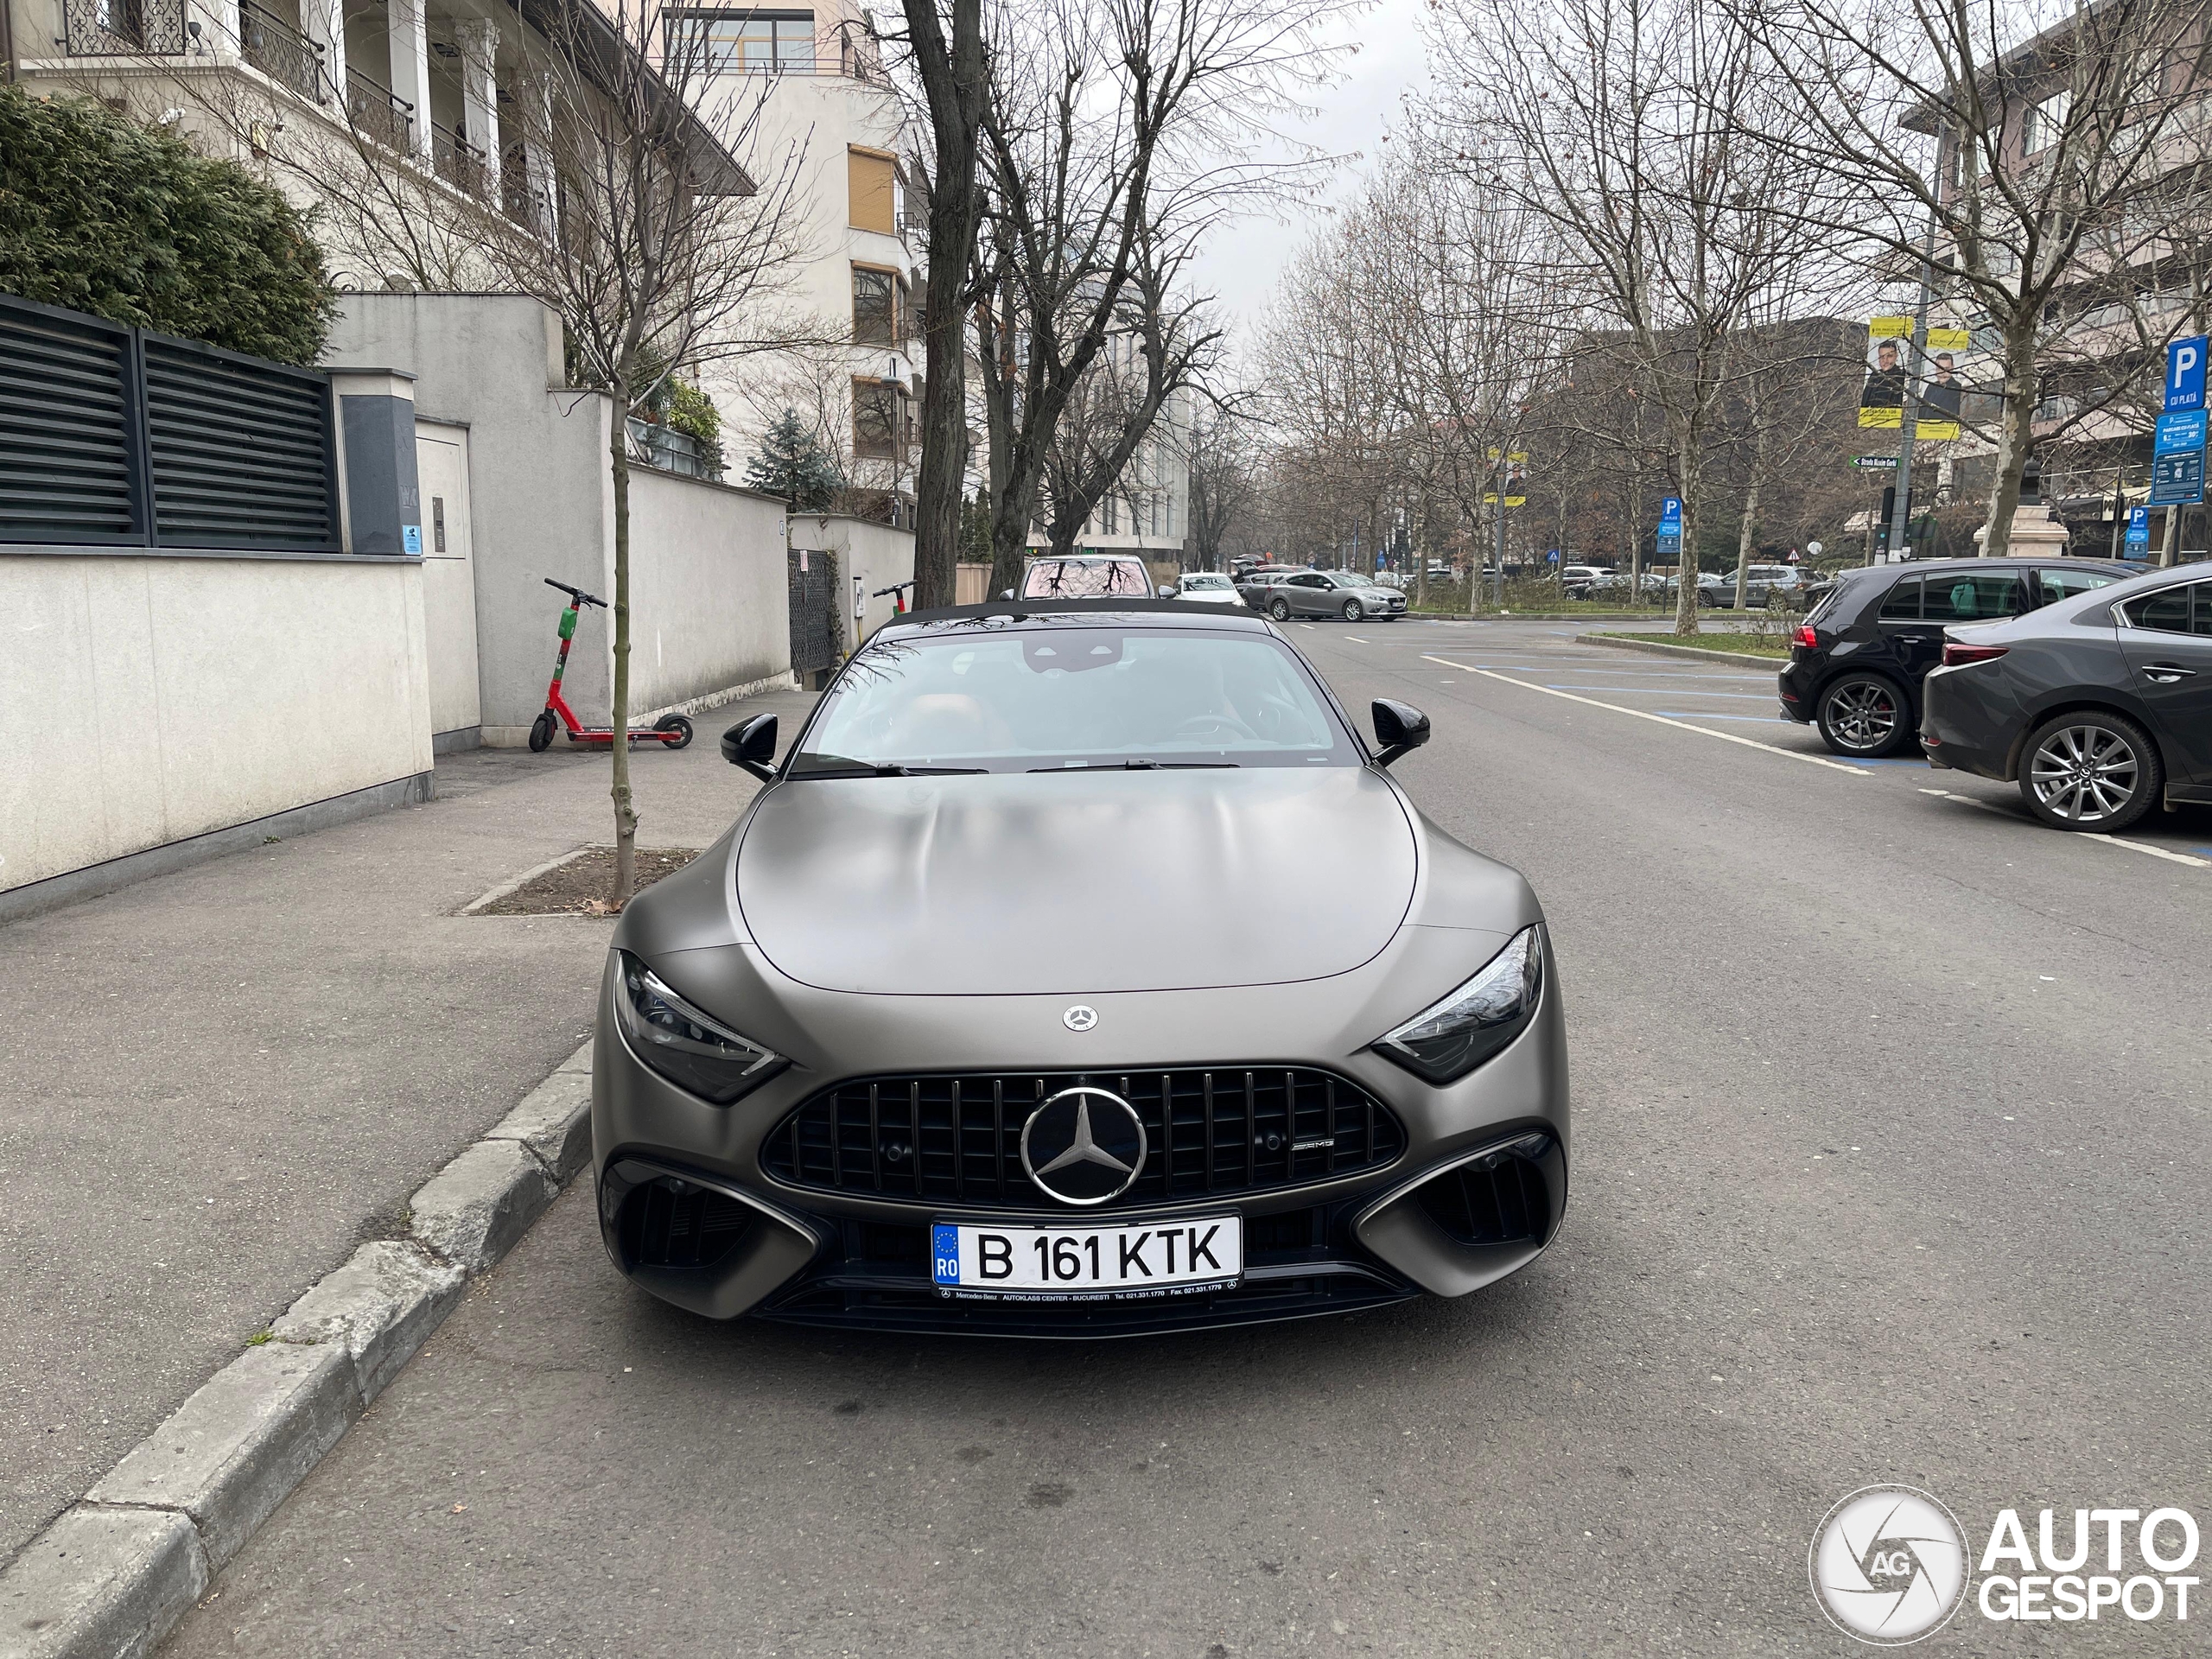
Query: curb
{"x":112,"y":1576}
{"x":1659,"y":648}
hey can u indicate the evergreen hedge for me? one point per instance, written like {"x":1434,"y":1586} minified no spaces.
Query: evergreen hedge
{"x":100,"y":214}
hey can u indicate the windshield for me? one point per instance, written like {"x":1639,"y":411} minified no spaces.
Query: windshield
{"x":1206,"y":582}
{"x":1042,"y":699}
{"x":1087,"y":579}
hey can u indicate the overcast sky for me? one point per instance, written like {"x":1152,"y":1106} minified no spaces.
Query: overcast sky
{"x":1245,"y":260}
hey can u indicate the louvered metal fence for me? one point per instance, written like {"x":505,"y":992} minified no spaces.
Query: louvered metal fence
{"x":113,"y":437}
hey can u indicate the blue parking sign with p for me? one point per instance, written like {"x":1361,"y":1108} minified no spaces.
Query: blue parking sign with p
{"x":2139,"y":527}
{"x":2185,"y":374}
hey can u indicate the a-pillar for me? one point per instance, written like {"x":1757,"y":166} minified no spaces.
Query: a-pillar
{"x":323,"y":22}
{"x":478,"y":40}
{"x":411,"y":66}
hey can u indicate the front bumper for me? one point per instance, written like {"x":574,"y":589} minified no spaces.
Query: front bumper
{"x":690,"y":1211}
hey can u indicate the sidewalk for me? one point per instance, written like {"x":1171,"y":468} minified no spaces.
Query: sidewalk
{"x":218,"y":1081}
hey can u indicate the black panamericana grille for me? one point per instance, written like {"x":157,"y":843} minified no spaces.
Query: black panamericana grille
{"x":957,"y":1140}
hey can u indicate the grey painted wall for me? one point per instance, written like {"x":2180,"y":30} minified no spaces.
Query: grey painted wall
{"x":706,"y":561}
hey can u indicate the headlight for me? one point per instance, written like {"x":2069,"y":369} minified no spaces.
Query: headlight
{"x":1450,"y":1039}
{"x":689,"y":1048}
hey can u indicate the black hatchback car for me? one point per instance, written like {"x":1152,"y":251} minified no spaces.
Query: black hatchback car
{"x":2100,"y":706}
{"x":1857,"y":661}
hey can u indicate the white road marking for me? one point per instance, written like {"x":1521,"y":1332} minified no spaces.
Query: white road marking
{"x":1355,"y":639}
{"x":1645,"y":714}
{"x":2168,"y":853}
{"x":2156,"y":852}
{"x":1967,"y":800}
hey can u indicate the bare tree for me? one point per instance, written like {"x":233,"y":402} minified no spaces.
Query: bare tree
{"x":1223,"y":481}
{"x":945,"y":44}
{"x":2044,"y":164}
{"x":1118,"y":133}
{"x":1632,"y":132}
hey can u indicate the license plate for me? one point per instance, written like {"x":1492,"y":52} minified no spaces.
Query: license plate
{"x":1068,"y":1264}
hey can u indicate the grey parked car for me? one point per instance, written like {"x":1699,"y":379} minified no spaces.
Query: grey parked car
{"x":2100,"y":705}
{"x":1333,"y":593}
{"x":916,"y":1046}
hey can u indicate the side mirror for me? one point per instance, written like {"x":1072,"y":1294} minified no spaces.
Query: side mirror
{"x":1167,"y":593}
{"x":1399,"y":727}
{"x":752,"y":746}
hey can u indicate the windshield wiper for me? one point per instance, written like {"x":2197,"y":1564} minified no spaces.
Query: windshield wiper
{"x":891,"y":769}
{"x":1146,"y":766}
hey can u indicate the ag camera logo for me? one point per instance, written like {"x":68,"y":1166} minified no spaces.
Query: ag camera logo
{"x":1889,"y":1565}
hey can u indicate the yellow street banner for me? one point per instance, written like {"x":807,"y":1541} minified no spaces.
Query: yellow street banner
{"x":1890,"y":328}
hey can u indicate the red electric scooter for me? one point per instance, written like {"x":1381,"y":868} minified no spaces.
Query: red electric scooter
{"x":671,"y":730}
{"x":898,"y":592}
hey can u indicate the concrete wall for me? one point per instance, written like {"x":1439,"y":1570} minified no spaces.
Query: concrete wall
{"x":875,"y":552}
{"x":707,"y":591}
{"x":151,"y":698}
{"x":706,"y":561}
{"x":539,"y":505}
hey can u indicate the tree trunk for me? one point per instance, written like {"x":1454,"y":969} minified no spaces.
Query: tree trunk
{"x":2013,"y":437}
{"x":2170,"y":544}
{"x":954,"y":78}
{"x":1744,"y":545}
{"x":998,"y":412}
{"x":625,"y":817}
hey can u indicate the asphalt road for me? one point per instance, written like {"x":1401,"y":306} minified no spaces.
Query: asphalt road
{"x":1890,"y":1114}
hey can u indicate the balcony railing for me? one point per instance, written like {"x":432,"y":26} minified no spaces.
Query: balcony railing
{"x":460,"y":163}
{"x":671,"y":452}
{"x":123,"y":29}
{"x":281,"y":53}
{"x":377,"y":111}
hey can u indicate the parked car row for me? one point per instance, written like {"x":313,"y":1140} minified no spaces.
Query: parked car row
{"x":1287,"y":591}
{"x":2089,"y":687}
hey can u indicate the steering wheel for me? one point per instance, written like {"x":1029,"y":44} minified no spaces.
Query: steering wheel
{"x":1196,"y":725}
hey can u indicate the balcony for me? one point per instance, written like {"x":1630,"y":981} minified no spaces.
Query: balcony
{"x":377,"y":112}
{"x":460,"y":163}
{"x":281,"y":53}
{"x":123,"y":29}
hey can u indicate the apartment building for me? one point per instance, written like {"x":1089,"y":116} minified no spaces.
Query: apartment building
{"x":423,"y":80}
{"x":852,"y":294}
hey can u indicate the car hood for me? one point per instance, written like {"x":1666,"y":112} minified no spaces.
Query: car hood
{"x":1081,"y":883}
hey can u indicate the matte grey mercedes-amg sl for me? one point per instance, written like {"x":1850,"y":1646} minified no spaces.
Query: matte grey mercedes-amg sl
{"x":1079,"y":970}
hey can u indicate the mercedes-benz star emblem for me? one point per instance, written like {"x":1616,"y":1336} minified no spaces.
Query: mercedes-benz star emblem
{"x":1081,"y":1017}
{"x":1083,"y":1146}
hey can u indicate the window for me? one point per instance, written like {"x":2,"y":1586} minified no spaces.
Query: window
{"x":875,"y":419}
{"x":1974,"y":598}
{"x":2168,"y":610}
{"x":875,"y":306}
{"x":2064,"y":584}
{"x":1903,"y":603}
{"x":744,"y":43}
{"x":1033,"y":699}
{"x":2044,"y":124}
{"x":872,"y":178}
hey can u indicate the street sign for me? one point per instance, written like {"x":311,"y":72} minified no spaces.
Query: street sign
{"x":1552,"y":558}
{"x":2138,"y":533}
{"x":2185,"y":374}
{"x":2177,"y":457}
{"x":1873,"y":460}
{"x":1668,"y":547}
